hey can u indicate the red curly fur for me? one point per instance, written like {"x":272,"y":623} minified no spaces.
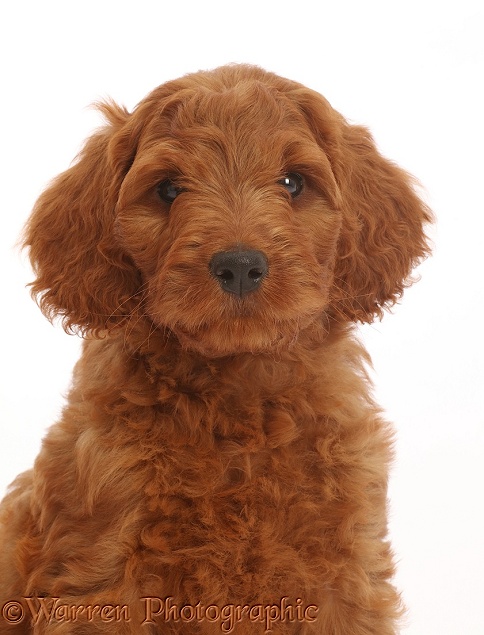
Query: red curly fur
{"x":215,"y":449}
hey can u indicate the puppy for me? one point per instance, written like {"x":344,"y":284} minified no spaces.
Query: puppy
{"x":220,"y":465}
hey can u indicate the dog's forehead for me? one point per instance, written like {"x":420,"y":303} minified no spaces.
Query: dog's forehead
{"x":239,"y":103}
{"x":251,"y":107}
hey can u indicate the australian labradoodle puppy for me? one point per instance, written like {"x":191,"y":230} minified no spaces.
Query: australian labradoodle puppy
{"x":220,"y":465}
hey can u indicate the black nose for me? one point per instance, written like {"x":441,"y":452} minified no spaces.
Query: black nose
{"x":239,"y":272}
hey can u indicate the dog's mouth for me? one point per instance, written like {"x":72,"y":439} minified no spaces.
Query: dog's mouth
{"x":240,"y":336}
{"x":238,"y":326}
{"x":210,"y":346}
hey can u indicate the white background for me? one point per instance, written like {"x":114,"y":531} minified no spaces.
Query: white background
{"x":413,"y":72}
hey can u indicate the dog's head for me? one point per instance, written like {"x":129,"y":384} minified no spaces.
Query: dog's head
{"x":232,"y":208}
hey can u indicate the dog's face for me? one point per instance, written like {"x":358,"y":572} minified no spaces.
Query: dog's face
{"x":230,"y":213}
{"x":232,"y":208}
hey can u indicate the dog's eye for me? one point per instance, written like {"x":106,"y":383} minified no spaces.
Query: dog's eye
{"x":168,"y":191}
{"x":293,"y":182}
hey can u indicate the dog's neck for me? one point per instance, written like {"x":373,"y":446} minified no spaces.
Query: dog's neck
{"x":131,"y":377}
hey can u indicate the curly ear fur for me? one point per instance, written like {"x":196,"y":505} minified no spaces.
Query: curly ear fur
{"x":81,"y":273}
{"x":382,"y":237}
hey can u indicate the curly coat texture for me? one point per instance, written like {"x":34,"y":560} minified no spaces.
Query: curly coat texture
{"x":219,"y":449}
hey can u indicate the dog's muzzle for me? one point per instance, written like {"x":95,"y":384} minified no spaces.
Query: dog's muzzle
{"x":239,"y":272}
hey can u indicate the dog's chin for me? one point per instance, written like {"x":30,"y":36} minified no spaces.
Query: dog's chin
{"x":224,"y":342}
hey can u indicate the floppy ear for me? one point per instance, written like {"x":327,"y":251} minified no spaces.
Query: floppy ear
{"x":382,"y":237}
{"x":82,"y":274}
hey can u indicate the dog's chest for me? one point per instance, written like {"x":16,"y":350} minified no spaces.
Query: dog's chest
{"x":232,"y":508}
